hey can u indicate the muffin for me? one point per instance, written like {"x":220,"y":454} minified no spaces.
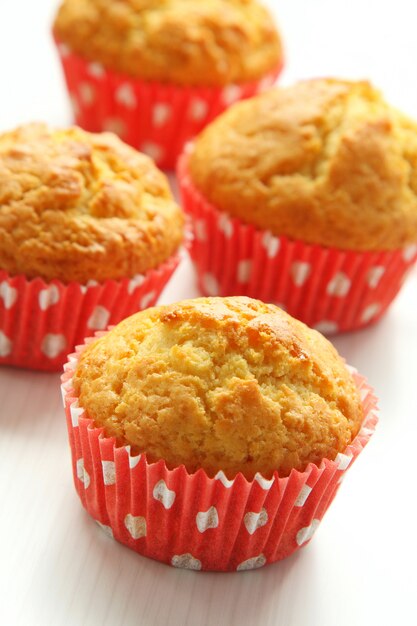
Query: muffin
{"x":89,"y":233}
{"x":222,"y":424}
{"x":310,"y":191}
{"x":157,"y":72}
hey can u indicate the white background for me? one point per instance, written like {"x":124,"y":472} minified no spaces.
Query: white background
{"x":56,"y":566}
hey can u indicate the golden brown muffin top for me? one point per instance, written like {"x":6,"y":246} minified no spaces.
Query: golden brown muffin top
{"x":186,"y":42}
{"x":325,"y":161}
{"x":78,"y":206}
{"x":228,"y":384}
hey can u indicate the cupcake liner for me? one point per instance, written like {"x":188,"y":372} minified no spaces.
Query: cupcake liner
{"x":329,"y":289}
{"x":193,"y":521}
{"x":154,"y":117}
{"x":41,"y":322}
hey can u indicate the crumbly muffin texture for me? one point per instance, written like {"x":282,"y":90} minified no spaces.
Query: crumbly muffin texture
{"x":228,"y":384}
{"x":186,"y":42}
{"x":78,"y":206}
{"x":325,"y":161}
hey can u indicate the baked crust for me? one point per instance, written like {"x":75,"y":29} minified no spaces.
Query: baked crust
{"x":325,"y":161}
{"x":78,"y":206}
{"x":186,"y":42}
{"x":228,"y":384}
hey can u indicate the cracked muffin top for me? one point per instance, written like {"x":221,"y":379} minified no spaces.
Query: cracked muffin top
{"x":79,"y":206}
{"x":325,"y":161}
{"x":228,"y":384}
{"x":186,"y":42}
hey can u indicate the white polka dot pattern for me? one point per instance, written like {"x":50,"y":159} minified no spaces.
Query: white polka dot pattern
{"x":253,"y":563}
{"x":198,"y":110}
{"x":164,"y":495}
{"x":410,"y":252}
{"x":231,"y":94}
{"x":134,"y":460}
{"x":303,"y":495}
{"x":53,"y":344}
{"x":136,"y":526}
{"x":99,"y":318}
{"x":339,"y":285}
{"x":306,"y":533}
{"x":207,"y":519}
{"x":343,"y":460}
{"x":327,"y":327}
{"x":153,"y":150}
{"x":115,"y":125}
{"x":125,"y":96}
{"x":186,"y":561}
{"x":226,"y":226}
{"x":300,"y":271}
{"x":96,"y":70}
{"x":8,"y":294}
{"x":200,"y":230}
{"x":48,"y":297}
{"x":271,"y":244}
{"x":87,"y":93}
{"x":161,"y":114}
{"x":5,"y":345}
{"x":41,"y":323}
{"x":82,"y":473}
{"x":328,"y":289}
{"x":210,"y":285}
{"x":244,"y":269}
{"x":200,"y":523}
{"x":147,"y":300}
{"x":370,"y":312}
{"x":61,"y":315}
{"x":151,"y":112}
{"x":109,"y":472}
{"x":64,"y":49}
{"x":135,"y":282}
{"x":253,"y":521}
{"x":374,"y":276}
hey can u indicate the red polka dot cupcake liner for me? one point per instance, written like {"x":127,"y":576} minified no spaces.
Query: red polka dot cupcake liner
{"x":192,"y":521}
{"x":41,"y":322}
{"x":329,"y":289}
{"x":155,"y":118}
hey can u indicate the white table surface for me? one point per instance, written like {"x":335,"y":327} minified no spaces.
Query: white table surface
{"x":57,"y":567}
